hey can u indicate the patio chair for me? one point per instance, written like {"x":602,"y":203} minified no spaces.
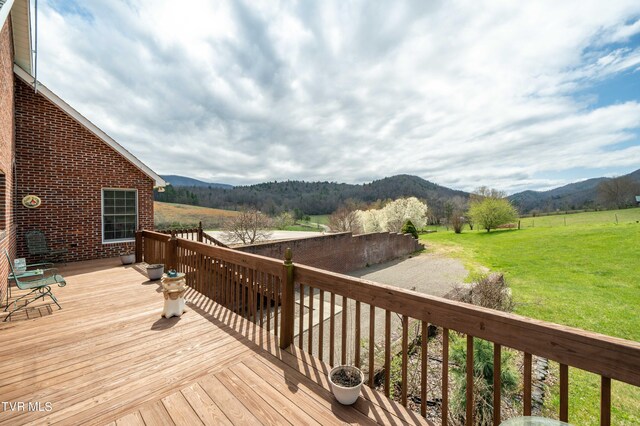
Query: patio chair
{"x":38,"y":247}
{"x":38,"y":283}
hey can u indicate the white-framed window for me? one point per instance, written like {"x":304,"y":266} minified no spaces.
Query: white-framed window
{"x":119,"y":215}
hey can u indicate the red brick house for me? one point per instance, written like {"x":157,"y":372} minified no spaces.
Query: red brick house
{"x":94,"y":193}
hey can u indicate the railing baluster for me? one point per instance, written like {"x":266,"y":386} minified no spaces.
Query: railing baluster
{"x":497,"y":366}
{"x":405,"y":357}
{"x":372,"y":338}
{"x":261,"y":298}
{"x":332,"y":329}
{"x":321,"y":327}
{"x":269,"y":299}
{"x":605,"y":401}
{"x":343,"y":347}
{"x":254,"y":294}
{"x":469,"y":396}
{"x":356,"y":339}
{"x":310,"y":332}
{"x":301,"y":317}
{"x":387,"y":352}
{"x":424,"y":340}
{"x":445,"y":376}
{"x":527,"y":384}
{"x":564,"y":393}
{"x":277,"y":289}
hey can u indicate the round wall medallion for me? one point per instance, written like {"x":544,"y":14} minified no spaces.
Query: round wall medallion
{"x":31,"y":201}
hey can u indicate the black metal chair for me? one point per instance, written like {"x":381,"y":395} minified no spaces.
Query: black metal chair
{"x":38,"y":283}
{"x":38,"y":247}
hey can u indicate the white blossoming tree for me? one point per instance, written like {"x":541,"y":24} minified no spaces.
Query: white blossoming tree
{"x":393,"y":215}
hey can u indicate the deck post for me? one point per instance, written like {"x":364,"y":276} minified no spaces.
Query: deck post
{"x":287,"y":318}
{"x":200,"y":238}
{"x":139,"y":246}
{"x":172,"y":252}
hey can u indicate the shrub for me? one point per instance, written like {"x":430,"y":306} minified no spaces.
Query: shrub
{"x":482,"y":379}
{"x":457,"y":221}
{"x":409,"y":228}
{"x":489,"y":291}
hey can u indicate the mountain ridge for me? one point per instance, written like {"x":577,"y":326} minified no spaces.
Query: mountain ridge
{"x":325,"y":197}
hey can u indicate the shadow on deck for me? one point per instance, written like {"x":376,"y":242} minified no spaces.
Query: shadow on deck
{"x":108,"y":356}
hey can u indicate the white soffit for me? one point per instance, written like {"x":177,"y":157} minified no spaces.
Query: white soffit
{"x":27,"y":78}
{"x":20,"y":21}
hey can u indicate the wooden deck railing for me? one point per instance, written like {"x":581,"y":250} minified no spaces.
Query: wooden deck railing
{"x":255,"y":287}
{"x":193,"y":234}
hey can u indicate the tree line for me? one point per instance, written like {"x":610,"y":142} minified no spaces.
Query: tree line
{"x":315,"y":198}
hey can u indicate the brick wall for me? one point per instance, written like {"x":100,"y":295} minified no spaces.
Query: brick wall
{"x":67,"y":166}
{"x":7,"y":147}
{"x":341,"y":252}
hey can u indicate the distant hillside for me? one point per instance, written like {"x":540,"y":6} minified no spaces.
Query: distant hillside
{"x":325,"y":197}
{"x":312,"y":197}
{"x":574,"y":196}
{"x":176,"y":180}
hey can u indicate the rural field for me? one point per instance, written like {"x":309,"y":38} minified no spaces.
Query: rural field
{"x":175,"y":215}
{"x":583,"y":274}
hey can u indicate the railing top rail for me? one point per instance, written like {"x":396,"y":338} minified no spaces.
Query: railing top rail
{"x":253,"y":261}
{"x":213,"y":240}
{"x":156,"y":236}
{"x":605,"y":355}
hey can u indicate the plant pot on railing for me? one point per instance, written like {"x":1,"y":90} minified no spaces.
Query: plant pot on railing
{"x":154,"y":272}
{"x":127,"y":258}
{"x":346,"y":382}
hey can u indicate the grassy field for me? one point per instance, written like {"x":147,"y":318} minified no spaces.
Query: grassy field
{"x":584,"y":274}
{"x":322,"y":219}
{"x":167,"y":214}
{"x":591,"y":218}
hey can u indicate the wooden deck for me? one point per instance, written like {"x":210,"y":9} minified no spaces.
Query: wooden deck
{"x":108,"y":357}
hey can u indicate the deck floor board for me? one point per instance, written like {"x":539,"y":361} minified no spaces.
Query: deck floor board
{"x":108,"y":358}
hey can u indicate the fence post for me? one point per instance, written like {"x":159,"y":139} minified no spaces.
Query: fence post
{"x":172,"y":252}
{"x":138,"y":246}
{"x":288,"y":296}
{"x":200,"y":232}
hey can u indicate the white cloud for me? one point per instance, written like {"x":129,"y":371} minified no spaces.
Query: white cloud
{"x":460,"y":93}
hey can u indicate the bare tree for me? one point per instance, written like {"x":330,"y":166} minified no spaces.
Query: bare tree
{"x":618,"y":192}
{"x":248,"y":227}
{"x":346,"y":219}
{"x":485,"y":192}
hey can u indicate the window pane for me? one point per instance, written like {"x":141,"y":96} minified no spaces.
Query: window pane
{"x":119,"y":214}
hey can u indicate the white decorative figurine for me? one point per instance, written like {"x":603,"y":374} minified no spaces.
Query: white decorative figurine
{"x":173,"y":287}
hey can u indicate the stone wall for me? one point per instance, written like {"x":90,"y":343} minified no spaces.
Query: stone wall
{"x":7,"y":154}
{"x":67,"y":166}
{"x":342,"y":252}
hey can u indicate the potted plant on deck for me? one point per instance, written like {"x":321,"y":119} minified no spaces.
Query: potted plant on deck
{"x":127,"y":255}
{"x":154,"y":272}
{"x":346,"y":382}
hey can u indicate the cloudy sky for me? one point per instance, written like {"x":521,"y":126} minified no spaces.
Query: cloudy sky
{"x":515,"y":95}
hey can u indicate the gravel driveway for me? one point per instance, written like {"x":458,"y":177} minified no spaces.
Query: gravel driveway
{"x":428,"y":273}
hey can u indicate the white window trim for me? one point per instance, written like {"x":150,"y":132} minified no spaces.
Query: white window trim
{"x":126,"y":240}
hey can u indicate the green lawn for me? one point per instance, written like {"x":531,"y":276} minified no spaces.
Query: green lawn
{"x":584,"y":275}
{"x":591,"y":218}
{"x":322,"y":219}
